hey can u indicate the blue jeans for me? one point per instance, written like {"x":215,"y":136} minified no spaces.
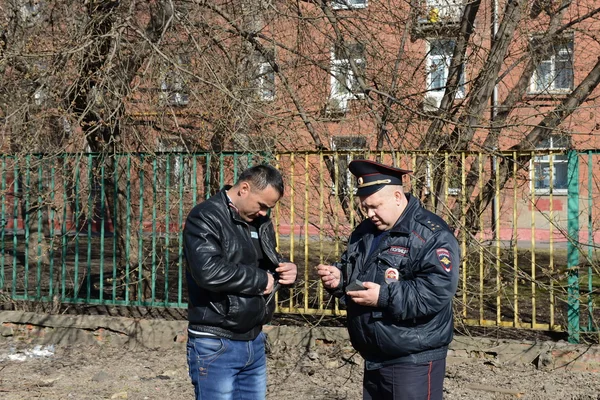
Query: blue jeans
{"x":223,"y":369}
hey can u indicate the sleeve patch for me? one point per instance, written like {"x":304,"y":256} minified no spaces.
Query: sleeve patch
{"x":444,"y":258}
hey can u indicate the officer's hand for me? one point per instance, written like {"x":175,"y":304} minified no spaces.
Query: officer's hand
{"x":287,"y":273}
{"x":270,"y":283}
{"x":330,"y":276}
{"x":367,"y":297}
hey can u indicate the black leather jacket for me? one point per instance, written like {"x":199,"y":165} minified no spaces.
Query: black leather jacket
{"x":413,"y":320}
{"x":224,"y":278}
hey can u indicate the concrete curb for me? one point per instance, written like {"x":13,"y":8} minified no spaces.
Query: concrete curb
{"x":35,"y":328}
{"x":88,"y":329}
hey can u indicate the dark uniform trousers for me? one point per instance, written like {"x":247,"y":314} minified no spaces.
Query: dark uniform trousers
{"x":405,"y":382}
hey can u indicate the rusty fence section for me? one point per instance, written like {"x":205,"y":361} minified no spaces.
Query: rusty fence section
{"x":94,"y":229}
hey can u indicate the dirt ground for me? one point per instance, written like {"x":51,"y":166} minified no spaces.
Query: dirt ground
{"x":326,"y":371}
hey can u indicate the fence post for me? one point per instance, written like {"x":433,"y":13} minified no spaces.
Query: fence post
{"x":590,"y":206}
{"x":572,"y":246}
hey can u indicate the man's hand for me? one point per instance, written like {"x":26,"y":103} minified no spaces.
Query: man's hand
{"x":367,"y":297}
{"x":330,"y":276}
{"x":270,"y":283}
{"x":287,"y":273}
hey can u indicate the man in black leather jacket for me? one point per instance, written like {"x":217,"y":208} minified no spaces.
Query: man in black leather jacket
{"x":233,"y":270}
{"x":406,"y":262}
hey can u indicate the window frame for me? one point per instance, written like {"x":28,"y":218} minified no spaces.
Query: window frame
{"x":447,"y":60}
{"x":567,"y":41}
{"x":171,"y":153}
{"x":451,"y":190}
{"x":350,"y":80}
{"x":173,"y":88}
{"x":265,"y":80}
{"x":544,"y":162}
{"x":353,"y":151}
{"x":348,"y":4}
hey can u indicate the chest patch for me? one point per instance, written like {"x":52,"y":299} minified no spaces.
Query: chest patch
{"x":391,"y":275}
{"x":398,"y":250}
{"x":443,"y":256}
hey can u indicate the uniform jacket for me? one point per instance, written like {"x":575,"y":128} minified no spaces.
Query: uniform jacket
{"x":224,"y":278}
{"x":413,"y":320}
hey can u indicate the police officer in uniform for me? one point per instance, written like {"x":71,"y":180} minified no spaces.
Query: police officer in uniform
{"x":398,"y":277}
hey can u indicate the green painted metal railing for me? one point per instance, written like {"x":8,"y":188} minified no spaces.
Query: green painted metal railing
{"x":581,"y":319}
{"x":573,"y":247}
{"x":82,"y":228}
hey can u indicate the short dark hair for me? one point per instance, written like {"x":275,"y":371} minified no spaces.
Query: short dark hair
{"x":261,"y":176}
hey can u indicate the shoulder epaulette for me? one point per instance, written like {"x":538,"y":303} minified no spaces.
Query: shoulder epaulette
{"x":433,"y":222}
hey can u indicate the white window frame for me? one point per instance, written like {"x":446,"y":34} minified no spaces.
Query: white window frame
{"x":172,"y":85}
{"x":337,"y":94}
{"x":535,"y":87}
{"x":40,"y":72}
{"x":452,"y":191}
{"x":179,"y":169}
{"x":266,"y":82}
{"x":445,"y":59}
{"x":357,"y":150}
{"x":542,"y":163}
{"x":348,"y":4}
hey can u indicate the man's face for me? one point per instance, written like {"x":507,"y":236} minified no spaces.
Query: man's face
{"x":255,"y":203}
{"x":383,"y":207}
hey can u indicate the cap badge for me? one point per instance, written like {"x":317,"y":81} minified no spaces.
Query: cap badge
{"x":392,"y":275}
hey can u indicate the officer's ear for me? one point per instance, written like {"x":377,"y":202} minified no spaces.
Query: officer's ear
{"x":398,"y":194}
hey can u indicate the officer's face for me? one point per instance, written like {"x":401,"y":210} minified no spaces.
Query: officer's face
{"x":255,"y":203}
{"x":384,"y":207}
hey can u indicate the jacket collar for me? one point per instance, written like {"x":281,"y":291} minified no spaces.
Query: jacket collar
{"x":233,"y":211}
{"x":403,"y":223}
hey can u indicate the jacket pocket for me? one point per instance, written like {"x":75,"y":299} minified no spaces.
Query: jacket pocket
{"x":269,"y":311}
{"x":396,"y":339}
{"x":245,"y":312}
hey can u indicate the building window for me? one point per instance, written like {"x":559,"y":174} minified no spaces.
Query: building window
{"x":447,"y":171}
{"x":439,"y":57}
{"x":173,"y":87}
{"x":545,"y":177}
{"x":344,"y":81}
{"x":348,"y":4}
{"x":173,"y":166}
{"x":266,"y":77}
{"x":351,"y":147}
{"x":39,"y":74}
{"x":554,"y":71}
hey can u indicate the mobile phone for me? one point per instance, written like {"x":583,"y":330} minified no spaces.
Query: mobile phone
{"x":355,"y":285}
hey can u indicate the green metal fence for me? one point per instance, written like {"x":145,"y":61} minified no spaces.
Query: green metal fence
{"x":84,"y":228}
{"x":583,"y":271}
{"x":92,"y":229}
